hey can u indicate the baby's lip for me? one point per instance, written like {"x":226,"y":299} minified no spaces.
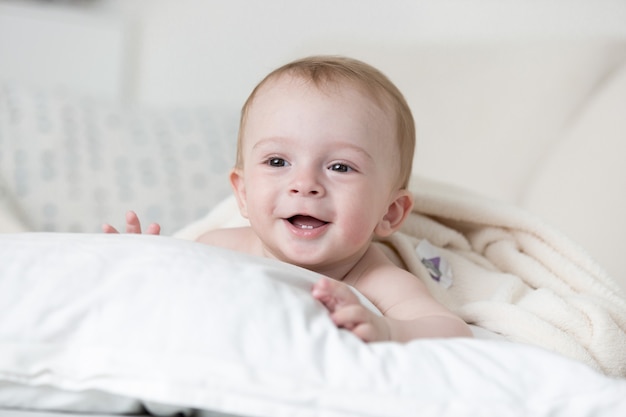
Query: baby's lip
{"x":306,"y":222}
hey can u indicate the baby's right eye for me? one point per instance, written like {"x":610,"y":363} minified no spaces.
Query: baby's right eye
{"x":276,"y":162}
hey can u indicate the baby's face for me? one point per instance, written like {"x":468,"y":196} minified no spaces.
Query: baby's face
{"x":320,"y":169}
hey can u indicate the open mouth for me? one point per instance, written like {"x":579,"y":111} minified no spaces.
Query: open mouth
{"x":306,"y":222}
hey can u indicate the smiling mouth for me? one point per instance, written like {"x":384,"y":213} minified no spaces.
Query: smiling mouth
{"x":306,"y":222}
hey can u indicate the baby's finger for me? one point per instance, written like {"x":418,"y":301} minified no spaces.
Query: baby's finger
{"x":333,"y":294}
{"x":107,"y":228}
{"x":361,"y":322}
{"x":350,"y":316}
{"x":153,"y":229}
{"x":367,"y":333}
{"x":132,"y":223}
{"x":321,"y":291}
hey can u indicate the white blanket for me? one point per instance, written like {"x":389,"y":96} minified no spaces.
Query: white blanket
{"x":511,"y":273}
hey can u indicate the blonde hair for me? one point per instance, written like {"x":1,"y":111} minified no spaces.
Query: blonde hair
{"x":324,"y":69}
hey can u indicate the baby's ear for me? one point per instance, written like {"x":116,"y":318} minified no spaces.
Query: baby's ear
{"x":397,"y":213}
{"x":239,"y":189}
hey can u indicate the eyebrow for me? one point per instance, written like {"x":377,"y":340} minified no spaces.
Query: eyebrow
{"x":269,"y":141}
{"x":281,"y":140}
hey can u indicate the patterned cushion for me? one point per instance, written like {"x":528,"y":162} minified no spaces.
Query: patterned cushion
{"x":72,"y":163}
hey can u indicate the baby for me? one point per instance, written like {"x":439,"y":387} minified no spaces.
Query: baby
{"x":324,"y":159}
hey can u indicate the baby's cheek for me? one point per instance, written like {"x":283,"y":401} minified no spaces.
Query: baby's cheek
{"x":358,"y":230}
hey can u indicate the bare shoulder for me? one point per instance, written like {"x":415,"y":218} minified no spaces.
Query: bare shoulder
{"x":391,"y":288}
{"x":240,"y":239}
{"x":376,"y":271}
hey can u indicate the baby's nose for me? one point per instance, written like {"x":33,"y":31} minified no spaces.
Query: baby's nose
{"x":307,"y":186}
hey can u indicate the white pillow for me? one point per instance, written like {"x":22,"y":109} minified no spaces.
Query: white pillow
{"x":192,"y":327}
{"x":72,"y":163}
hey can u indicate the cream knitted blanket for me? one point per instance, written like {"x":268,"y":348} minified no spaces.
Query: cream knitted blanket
{"x":502,"y":269}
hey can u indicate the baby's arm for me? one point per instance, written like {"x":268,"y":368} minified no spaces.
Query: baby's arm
{"x":409,"y":310}
{"x":412,"y":312}
{"x":133,"y":226}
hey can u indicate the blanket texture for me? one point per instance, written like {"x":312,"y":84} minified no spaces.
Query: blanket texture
{"x":505,"y":271}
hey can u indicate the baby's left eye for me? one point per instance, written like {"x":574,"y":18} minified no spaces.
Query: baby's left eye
{"x":338,"y":167}
{"x":276,"y":162}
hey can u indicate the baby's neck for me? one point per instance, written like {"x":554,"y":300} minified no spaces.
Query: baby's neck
{"x":343,"y":270}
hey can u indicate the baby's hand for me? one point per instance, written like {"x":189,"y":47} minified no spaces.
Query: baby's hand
{"x":133,"y":226}
{"x":347,"y":312}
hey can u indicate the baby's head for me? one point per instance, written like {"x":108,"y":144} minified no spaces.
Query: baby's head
{"x":324,"y":159}
{"x":327,"y":71}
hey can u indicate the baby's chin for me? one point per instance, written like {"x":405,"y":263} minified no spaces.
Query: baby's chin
{"x":318,"y":264}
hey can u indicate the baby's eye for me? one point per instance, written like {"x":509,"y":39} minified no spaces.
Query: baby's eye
{"x":276,"y":162}
{"x":339,"y":167}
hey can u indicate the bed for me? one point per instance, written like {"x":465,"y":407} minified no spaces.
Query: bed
{"x":104,"y":325}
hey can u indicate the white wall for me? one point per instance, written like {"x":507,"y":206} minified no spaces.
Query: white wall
{"x":42,"y":44}
{"x":483,"y":77}
{"x":198,"y":50}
